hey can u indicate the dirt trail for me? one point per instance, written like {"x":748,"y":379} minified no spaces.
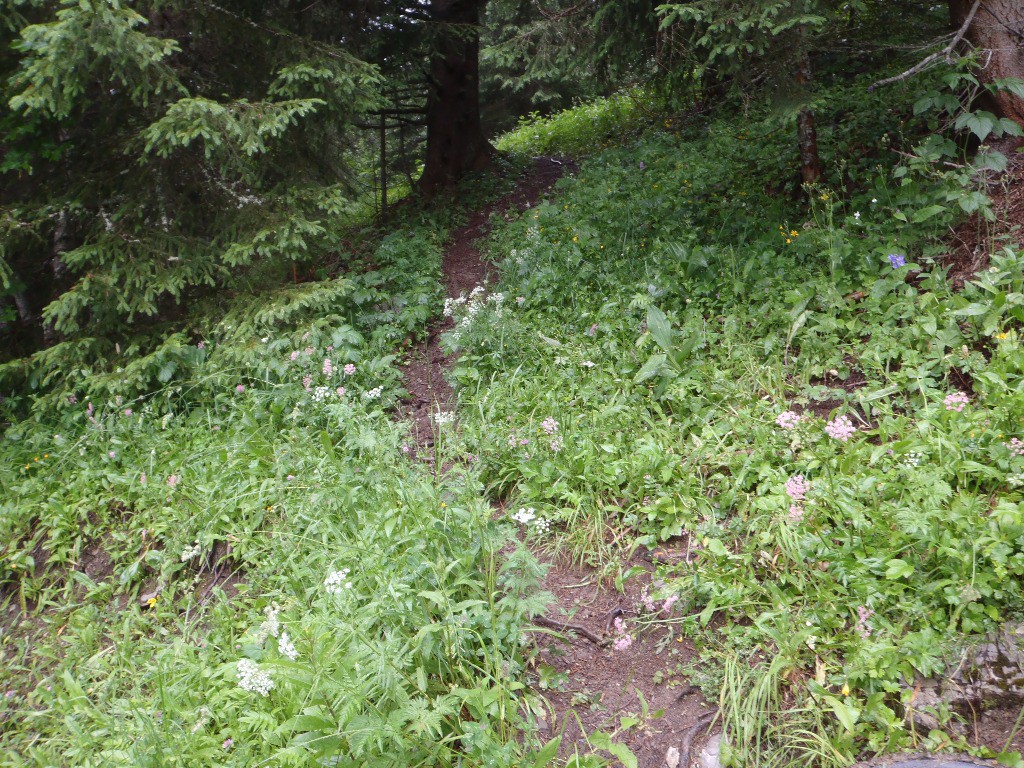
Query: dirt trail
{"x":589,"y":686}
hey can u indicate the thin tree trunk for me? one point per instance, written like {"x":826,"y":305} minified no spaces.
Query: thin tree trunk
{"x":455,"y":140}
{"x":807,"y":134}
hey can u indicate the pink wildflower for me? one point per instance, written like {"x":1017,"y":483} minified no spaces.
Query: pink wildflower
{"x":308,"y":350}
{"x":201,"y":345}
{"x":349,"y":369}
{"x":797,"y":487}
{"x":295,"y":355}
{"x":623,"y":639}
{"x":863,"y":615}
{"x":341,"y":391}
{"x":307,"y":382}
{"x":143,"y":479}
{"x":111,"y":454}
{"x":670,"y":601}
{"x":556,"y":445}
{"x":549,"y":425}
{"x":796,"y":513}
{"x":955,"y":401}
{"x":172,"y":481}
{"x":840,"y":428}
{"x":227,"y":744}
{"x":328,"y":368}
{"x":127,"y":411}
{"x":1015,"y":446}
{"x":240,"y":388}
{"x":406,"y":448}
{"x":787,"y":419}
{"x":89,"y":410}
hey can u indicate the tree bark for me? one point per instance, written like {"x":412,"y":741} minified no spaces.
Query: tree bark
{"x":807,"y":134}
{"x":997,"y":33}
{"x":455,"y":138}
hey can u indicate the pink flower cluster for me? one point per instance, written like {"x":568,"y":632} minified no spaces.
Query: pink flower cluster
{"x":864,"y":614}
{"x":797,"y":487}
{"x":955,"y":401}
{"x":549,"y":425}
{"x":349,"y":369}
{"x":787,"y":419}
{"x":840,"y":428}
{"x":1015,"y":446}
{"x":328,"y":368}
{"x":622,"y":639}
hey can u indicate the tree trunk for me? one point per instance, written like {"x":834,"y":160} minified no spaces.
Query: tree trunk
{"x":807,"y":134}
{"x":455,"y":138}
{"x":997,"y":32}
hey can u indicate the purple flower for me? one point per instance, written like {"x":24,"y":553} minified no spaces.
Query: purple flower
{"x":897,"y":260}
{"x":201,"y":345}
{"x":864,"y":614}
{"x":240,"y":388}
{"x":111,"y":454}
{"x":127,"y":411}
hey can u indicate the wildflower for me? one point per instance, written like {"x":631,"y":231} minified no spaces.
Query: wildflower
{"x":955,"y":401}
{"x":286,"y":648}
{"x":856,"y":215}
{"x":520,"y":300}
{"x":89,"y":409}
{"x":111,"y":455}
{"x":441,"y":418}
{"x":271,"y":626}
{"x":227,"y":744}
{"x":912,"y":459}
{"x":337,"y":581}
{"x":127,"y":411}
{"x":524,"y":515}
{"x":587,"y":364}
{"x":321,"y":393}
{"x":406,"y":448}
{"x":201,"y":345}
{"x":308,"y":350}
{"x":840,"y":428}
{"x":542,"y":525}
{"x":874,"y":200}
{"x":289,"y":478}
{"x":373,"y":394}
{"x":349,"y":369}
{"x":240,"y":389}
{"x":591,"y":331}
{"x":188,"y":553}
{"x":340,"y":391}
{"x":265,"y":339}
{"x":549,"y":425}
{"x":307,"y":382}
{"x":897,"y":260}
{"x":252,"y":678}
{"x":328,"y":369}
{"x":796,"y":513}
{"x":797,"y":487}
{"x":556,"y":445}
{"x":294,"y":355}
{"x":623,"y":639}
{"x":670,"y":601}
{"x":143,"y":479}
{"x":1015,"y":480}
{"x":1015,"y":446}
{"x":863,"y":615}
{"x":787,"y":419}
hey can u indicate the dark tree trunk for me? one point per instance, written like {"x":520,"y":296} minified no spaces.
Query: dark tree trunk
{"x":807,"y":134}
{"x":997,"y":32}
{"x":455,"y":138}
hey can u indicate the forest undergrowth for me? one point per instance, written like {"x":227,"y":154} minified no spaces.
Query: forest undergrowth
{"x":222,"y":553}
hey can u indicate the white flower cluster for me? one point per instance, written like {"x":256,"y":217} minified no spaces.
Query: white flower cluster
{"x":443,"y":417}
{"x":286,"y":647}
{"x":525,"y":516}
{"x":373,"y":394}
{"x":252,"y":678}
{"x":189,"y":553}
{"x":337,"y":581}
{"x":322,"y":393}
{"x":270,"y":627}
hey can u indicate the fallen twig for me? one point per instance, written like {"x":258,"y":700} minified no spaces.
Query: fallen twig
{"x":691,"y":733}
{"x":544,"y":621}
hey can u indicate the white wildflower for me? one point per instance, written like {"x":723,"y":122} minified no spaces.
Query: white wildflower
{"x":189,"y":553}
{"x":285,"y":646}
{"x":252,"y":678}
{"x":270,"y":627}
{"x":524,"y":515}
{"x":337,"y":581}
{"x":443,"y":417}
{"x":373,"y":394}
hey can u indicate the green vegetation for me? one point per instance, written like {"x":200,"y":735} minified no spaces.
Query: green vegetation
{"x":217,"y":543}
